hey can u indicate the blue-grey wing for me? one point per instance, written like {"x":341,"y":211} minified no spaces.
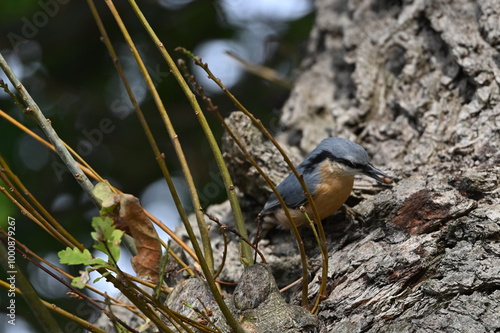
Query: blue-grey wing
{"x":291,"y":191}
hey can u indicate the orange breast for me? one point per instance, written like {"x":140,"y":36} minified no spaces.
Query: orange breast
{"x":333,"y":191}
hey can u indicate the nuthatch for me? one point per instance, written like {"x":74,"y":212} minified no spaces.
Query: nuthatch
{"x":328,"y":172}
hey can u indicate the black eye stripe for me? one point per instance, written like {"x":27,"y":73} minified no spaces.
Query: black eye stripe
{"x":315,"y":161}
{"x":319,"y":158}
{"x":350,"y":164}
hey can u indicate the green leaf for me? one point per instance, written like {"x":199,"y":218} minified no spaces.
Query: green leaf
{"x":100,"y":277}
{"x":97,"y":279}
{"x":78,"y":283}
{"x":103,"y":227}
{"x":115,"y":244}
{"x":73,"y":256}
{"x":107,"y":236}
{"x":106,"y":196}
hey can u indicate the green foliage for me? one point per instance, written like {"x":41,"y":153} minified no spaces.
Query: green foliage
{"x":103,"y":192}
{"x":107,"y":236}
{"x":108,"y":240}
{"x":80,"y":281}
{"x":73,"y":256}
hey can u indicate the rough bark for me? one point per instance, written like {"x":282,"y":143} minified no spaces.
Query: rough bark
{"x":417,"y":84}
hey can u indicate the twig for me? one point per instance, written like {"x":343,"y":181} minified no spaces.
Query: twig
{"x":73,"y":290}
{"x":234,"y":231}
{"x":322,"y":243}
{"x":205,"y":238}
{"x":154,"y":146}
{"x":28,"y":253}
{"x":246,"y":253}
{"x":33,"y":300}
{"x":53,"y":228}
{"x":91,"y":173}
{"x":264,"y":72}
{"x":52,"y":307}
{"x":207,"y":264}
{"x":258,"y":123}
{"x":224,"y":254}
{"x":13,"y":96}
{"x":212,"y":108}
{"x":32,"y":109}
{"x":296,"y":282}
{"x":114,"y":319}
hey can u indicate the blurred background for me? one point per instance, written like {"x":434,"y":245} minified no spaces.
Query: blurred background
{"x":55,"y":49}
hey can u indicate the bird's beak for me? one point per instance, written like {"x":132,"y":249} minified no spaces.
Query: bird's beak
{"x":376,"y":174}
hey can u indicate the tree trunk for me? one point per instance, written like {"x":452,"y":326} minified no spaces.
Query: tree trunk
{"x":417,"y":84}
